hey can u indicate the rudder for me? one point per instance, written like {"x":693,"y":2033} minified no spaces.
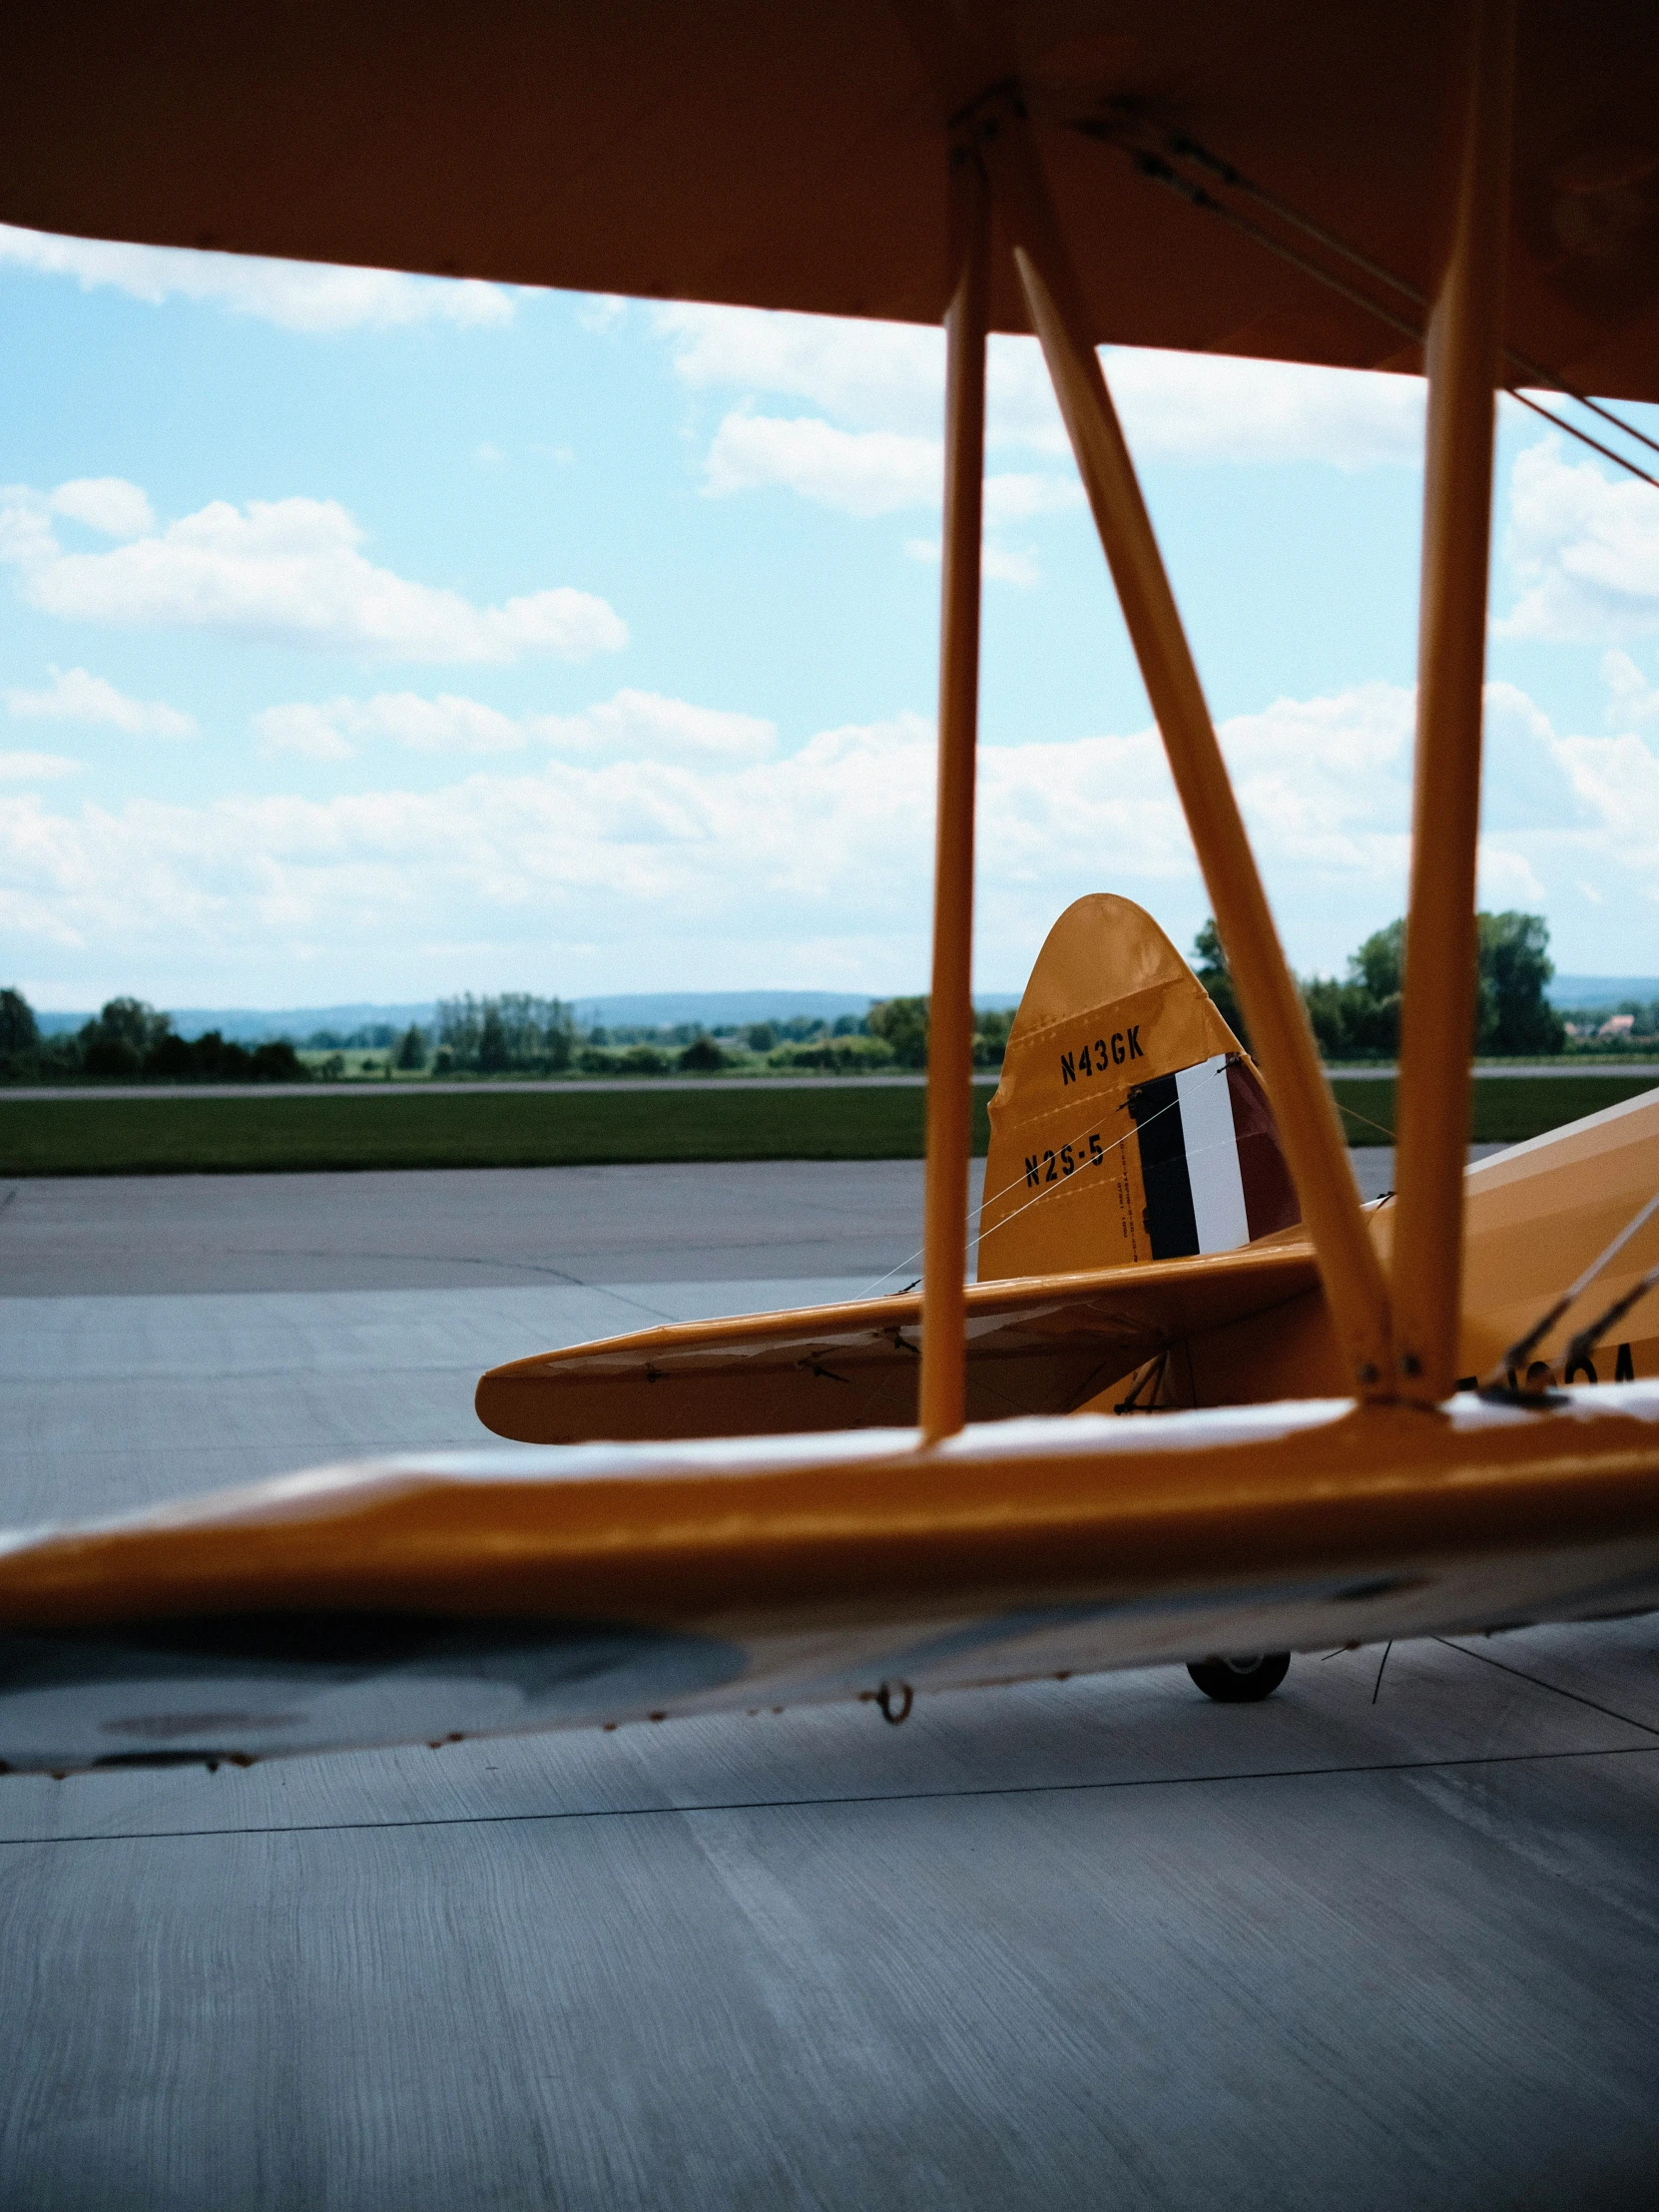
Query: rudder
{"x":1129,"y":1124}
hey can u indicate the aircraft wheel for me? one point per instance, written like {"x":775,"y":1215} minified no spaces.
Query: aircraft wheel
{"x":1242,"y":1681}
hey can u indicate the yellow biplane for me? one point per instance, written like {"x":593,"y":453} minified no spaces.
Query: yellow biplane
{"x":949,"y":1489}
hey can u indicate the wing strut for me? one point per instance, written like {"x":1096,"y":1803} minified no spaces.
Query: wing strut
{"x":1464,"y":353}
{"x":1466,"y":336}
{"x":943,"y":1380}
{"x":1355,"y":1284}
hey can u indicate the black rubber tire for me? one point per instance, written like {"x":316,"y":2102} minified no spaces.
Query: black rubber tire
{"x":1242,"y":1681}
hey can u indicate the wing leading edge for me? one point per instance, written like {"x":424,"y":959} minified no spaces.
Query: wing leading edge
{"x":476,"y":1593}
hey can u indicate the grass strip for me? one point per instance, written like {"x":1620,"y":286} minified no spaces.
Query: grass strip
{"x":486,"y":1129}
{"x":133,"y":1135}
{"x":1504,"y":1109}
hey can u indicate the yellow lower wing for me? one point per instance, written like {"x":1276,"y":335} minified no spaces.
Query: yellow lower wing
{"x":1247,"y":1326}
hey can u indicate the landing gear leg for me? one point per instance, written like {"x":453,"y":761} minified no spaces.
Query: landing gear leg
{"x":1242,"y":1681}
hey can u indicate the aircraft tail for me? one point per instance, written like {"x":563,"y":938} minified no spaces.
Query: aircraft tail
{"x":1130,"y":1125}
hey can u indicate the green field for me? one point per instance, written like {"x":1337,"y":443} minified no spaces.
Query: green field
{"x":1507,"y":1107}
{"x":129,"y":1134}
{"x":133,"y":1135}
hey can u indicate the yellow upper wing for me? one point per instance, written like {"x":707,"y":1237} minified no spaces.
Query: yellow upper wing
{"x":430,"y":1598}
{"x":794,"y":156}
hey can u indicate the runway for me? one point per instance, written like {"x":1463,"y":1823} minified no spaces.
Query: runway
{"x":68,"y":1094}
{"x":472,"y":1227}
{"x":1379,"y":1942}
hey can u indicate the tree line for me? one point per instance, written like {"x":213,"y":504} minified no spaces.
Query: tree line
{"x":1353,"y":1018}
{"x":520,"y":1034}
{"x":1357,"y":1017}
{"x":129,"y":1038}
{"x":513,"y":1033}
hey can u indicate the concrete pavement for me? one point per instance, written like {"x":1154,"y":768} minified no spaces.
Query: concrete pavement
{"x":1093,"y":1943}
{"x":473,"y":1228}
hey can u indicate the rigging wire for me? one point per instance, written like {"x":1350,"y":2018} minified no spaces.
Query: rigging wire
{"x":1158,"y":169}
{"x":1355,"y":1114}
{"x":1519,"y":1354}
{"x":1184,"y":147}
{"x":1578,"y":1351}
{"x":1079,"y":1141}
{"x":1159,"y":172}
{"x":1584,"y":437}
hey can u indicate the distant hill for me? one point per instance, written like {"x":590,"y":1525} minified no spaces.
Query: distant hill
{"x":666,"y":1009}
{"x":253,"y":1024}
{"x":625,"y":1011}
{"x":1590,"y":991}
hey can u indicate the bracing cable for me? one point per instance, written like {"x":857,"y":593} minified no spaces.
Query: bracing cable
{"x":1519,"y":1356}
{"x":1156,"y":165}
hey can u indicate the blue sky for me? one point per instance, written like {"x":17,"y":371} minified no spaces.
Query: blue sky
{"x":368,"y":638}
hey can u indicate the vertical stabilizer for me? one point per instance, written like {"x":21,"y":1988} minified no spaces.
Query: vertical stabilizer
{"x":1129,"y":1124}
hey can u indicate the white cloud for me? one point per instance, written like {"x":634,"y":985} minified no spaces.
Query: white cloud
{"x":636,"y":849}
{"x":288,"y":572}
{"x":106,"y":503}
{"x":600,"y":312}
{"x":875,"y":448}
{"x":1003,"y":564}
{"x":998,"y":564}
{"x":747,"y":862}
{"x":76,"y":696}
{"x":861,"y":472}
{"x":650,"y":727}
{"x":1207,"y":407}
{"x":1014,"y":496}
{"x":310,"y":733}
{"x":443,"y":724}
{"x":1631,"y":698}
{"x":640,"y":725}
{"x":658,"y":840}
{"x":36,"y":768}
{"x":1585,"y":551}
{"x":1174,"y":406}
{"x":1326,"y":782}
{"x":446,"y":723}
{"x":886,"y":375}
{"x":1571,"y":811}
{"x":1506,"y":879}
{"x":656,"y":823}
{"x":1618,"y":779}
{"x":877,"y":472}
{"x":296,"y":296}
